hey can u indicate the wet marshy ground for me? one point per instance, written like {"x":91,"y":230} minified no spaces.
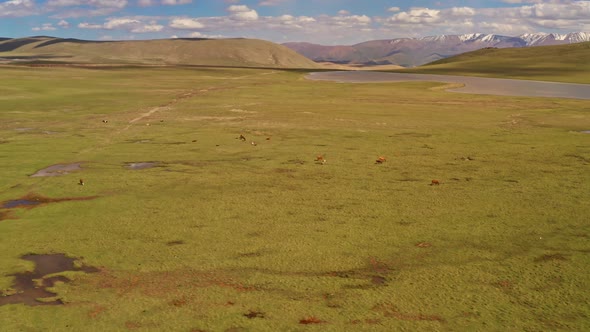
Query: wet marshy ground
{"x":33,"y":200}
{"x":30,"y":288}
{"x":142,"y":165}
{"x":58,"y":169}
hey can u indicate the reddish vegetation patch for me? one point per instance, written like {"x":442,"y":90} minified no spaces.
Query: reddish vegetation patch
{"x":254,"y":314}
{"x":369,"y":321}
{"x":170,"y":283}
{"x":311,"y":320}
{"x":378,"y":266}
{"x":96,"y":311}
{"x":390,"y":310}
{"x":5,"y":215}
{"x":27,"y":291}
{"x":33,"y":200}
{"x":551,"y":257}
{"x":423,"y":245}
{"x":504,"y":284}
{"x":132,"y":325}
{"x":178,"y":302}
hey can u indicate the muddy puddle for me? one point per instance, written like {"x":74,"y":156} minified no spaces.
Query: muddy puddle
{"x":31,"y":288}
{"x":142,"y":165}
{"x":34,"y":200}
{"x":58,"y":169}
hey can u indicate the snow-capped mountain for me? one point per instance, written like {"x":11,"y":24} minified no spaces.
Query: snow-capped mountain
{"x":417,"y":51}
{"x":538,"y":39}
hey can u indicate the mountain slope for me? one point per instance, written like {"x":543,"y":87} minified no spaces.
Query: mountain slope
{"x":410,"y":52}
{"x":562,"y":63}
{"x":209,"y":52}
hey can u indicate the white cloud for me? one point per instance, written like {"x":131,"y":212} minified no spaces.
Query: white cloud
{"x":242,"y":13}
{"x":17,"y":8}
{"x":186,"y":24}
{"x":197,"y":34}
{"x":148,"y":28}
{"x":63,"y":24}
{"x":268,"y":2}
{"x":85,"y":25}
{"x":393,"y":9}
{"x":176,"y":2}
{"x":462,"y":11}
{"x":417,"y":16}
{"x":343,"y":12}
{"x":45,"y":27}
{"x":117,"y":23}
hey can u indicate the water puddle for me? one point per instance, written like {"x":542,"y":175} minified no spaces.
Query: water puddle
{"x":32,"y":200}
{"x":585,"y":131}
{"x":30,"y":288}
{"x":58,"y":169}
{"x":142,"y":165}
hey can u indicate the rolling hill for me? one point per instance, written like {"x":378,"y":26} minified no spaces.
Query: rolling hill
{"x":564,"y":63}
{"x":206,"y":52}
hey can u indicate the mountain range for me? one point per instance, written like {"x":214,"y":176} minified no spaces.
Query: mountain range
{"x":410,"y":52}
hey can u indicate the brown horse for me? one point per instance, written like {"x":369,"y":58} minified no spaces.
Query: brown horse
{"x":380,"y":160}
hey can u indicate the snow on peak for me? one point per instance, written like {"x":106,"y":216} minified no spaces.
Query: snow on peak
{"x":436,"y":38}
{"x":540,"y":38}
{"x":470,"y":37}
{"x":578,"y":37}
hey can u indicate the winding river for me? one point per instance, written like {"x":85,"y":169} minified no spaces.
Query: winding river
{"x":475,"y":85}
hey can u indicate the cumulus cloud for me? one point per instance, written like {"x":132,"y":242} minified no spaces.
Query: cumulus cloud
{"x":417,"y":15}
{"x":84,"y":8}
{"x":176,"y":2}
{"x":63,"y":24}
{"x":242,"y":13}
{"x":86,"y":25}
{"x":146,"y":3}
{"x":186,"y":24}
{"x":45,"y":27}
{"x":134,"y":25}
{"x":197,"y":34}
{"x":18,"y":8}
{"x":268,"y":2}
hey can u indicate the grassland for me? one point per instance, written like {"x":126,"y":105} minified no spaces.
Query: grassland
{"x":225,"y":235}
{"x":560,"y":63}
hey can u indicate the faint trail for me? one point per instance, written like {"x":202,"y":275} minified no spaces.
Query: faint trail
{"x":169,"y":106}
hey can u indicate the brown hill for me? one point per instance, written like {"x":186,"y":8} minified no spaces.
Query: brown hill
{"x":206,"y":52}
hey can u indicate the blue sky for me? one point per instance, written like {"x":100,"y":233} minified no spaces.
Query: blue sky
{"x":330,"y":22}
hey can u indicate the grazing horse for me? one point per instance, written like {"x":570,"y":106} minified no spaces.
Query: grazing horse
{"x":320,"y":159}
{"x":380,"y":160}
{"x":81,"y":182}
{"x":434,"y":182}
{"x":242,"y":138}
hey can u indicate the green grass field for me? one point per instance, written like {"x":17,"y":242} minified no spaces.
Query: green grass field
{"x":560,"y":63}
{"x":224,"y":235}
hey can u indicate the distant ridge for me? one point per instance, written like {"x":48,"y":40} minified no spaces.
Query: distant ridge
{"x":561,"y":63}
{"x":237,"y":52}
{"x":410,"y":52}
